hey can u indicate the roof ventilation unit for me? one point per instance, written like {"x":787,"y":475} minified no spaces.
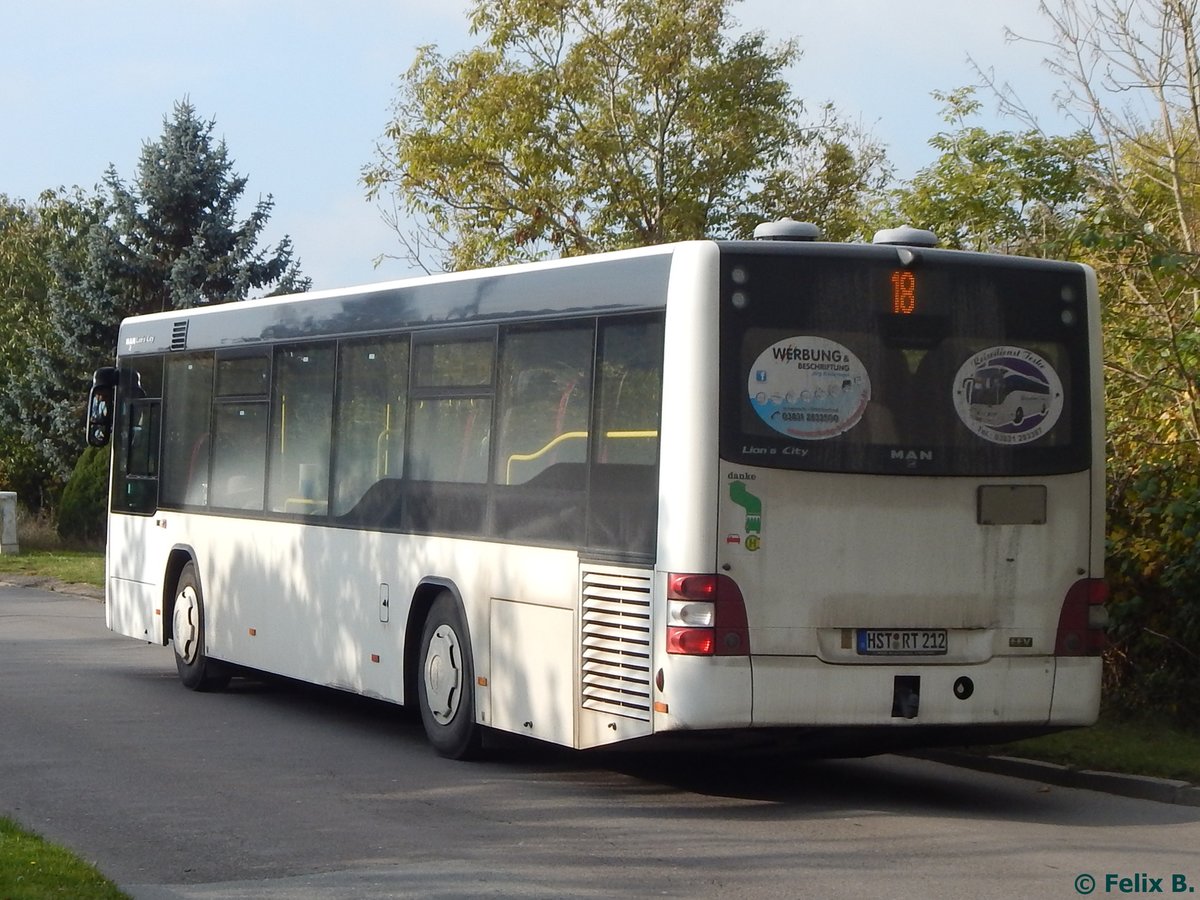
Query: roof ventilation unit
{"x":787,"y":229}
{"x":907,"y":235}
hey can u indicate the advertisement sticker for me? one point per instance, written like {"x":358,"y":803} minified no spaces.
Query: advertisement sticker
{"x":809,"y":388}
{"x":1008,"y":395}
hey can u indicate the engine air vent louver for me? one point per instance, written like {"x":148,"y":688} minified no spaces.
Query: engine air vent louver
{"x":179,"y":332}
{"x":616,"y":642}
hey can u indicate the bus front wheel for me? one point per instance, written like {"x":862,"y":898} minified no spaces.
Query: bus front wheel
{"x":196,"y":671}
{"x":446,"y":682}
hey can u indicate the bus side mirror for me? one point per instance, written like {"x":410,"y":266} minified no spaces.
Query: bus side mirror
{"x":100,"y":406}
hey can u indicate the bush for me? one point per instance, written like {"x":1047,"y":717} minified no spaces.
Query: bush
{"x":37,"y":530}
{"x":81,"y":513}
{"x":1153,"y":663}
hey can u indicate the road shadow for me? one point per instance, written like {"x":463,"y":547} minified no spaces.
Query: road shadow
{"x":775,"y":780}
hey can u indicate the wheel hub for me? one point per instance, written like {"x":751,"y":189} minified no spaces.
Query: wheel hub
{"x":185,"y":625}
{"x":443,"y":675}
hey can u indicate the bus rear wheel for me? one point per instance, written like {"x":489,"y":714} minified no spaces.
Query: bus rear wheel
{"x":196,"y":671}
{"x":446,"y":682}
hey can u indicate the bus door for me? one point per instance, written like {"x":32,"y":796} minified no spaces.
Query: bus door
{"x":138,"y":538}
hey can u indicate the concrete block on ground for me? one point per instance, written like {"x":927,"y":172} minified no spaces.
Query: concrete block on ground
{"x":8,"y":522}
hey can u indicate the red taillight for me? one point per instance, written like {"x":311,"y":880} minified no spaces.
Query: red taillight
{"x":691,"y":587}
{"x":706,"y":616}
{"x":1083,"y":619}
{"x":690,"y":641}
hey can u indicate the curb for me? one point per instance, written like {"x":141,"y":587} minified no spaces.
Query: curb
{"x":1140,"y":787}
{"x":89,"y":591}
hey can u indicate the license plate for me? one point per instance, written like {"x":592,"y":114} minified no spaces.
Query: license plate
{"x":901,"y":641}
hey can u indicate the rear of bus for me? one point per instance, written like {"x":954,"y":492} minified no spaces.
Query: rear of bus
{"x":909,"y":523}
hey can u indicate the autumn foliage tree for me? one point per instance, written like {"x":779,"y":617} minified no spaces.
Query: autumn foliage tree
{"x":1021,"y":192}
{"x":584,"y":125}
{"x":1131,"y":75}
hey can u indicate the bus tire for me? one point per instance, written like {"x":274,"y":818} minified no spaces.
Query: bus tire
{"x":196,"y":670}
{"x":1019,"y":415}
{"x":446,"y":681}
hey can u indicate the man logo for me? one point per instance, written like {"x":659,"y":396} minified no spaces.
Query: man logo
{"x":912,"y":456}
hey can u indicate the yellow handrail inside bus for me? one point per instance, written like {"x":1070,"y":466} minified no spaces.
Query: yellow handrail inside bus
{"x":566,"y":436}
{"x":382,"y":456}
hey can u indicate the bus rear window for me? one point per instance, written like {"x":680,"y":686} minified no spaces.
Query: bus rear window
{"x":850,"y":360}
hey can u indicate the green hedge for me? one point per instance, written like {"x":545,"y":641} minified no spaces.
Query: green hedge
{"x":1153,"y":663}
{"x":81,"y":512}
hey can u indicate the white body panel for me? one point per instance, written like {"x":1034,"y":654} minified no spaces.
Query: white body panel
{"x":306,"y":602}
{"x":858,"y":551}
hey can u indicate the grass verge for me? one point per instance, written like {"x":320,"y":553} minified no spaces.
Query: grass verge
{"x":32,"y":869}
{"x":71,"y":566}
{"x":1117,"y":744}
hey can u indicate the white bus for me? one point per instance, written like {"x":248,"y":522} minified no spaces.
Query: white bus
{"x":720,"y":488}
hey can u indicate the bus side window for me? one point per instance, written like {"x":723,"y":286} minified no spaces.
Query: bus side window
{"x":240,"y":414}
{"x":450,"y":433}
{"x":239,"y":455}
{"x":544,"y":399}
{"x":370,"y":416}
{"x":186,"y":418}
{"x":301,"y":428}
{"x":623,"y":494}
{"x":452,"y":410}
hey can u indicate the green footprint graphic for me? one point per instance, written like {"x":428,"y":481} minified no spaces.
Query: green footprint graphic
{"x":751,"y":504}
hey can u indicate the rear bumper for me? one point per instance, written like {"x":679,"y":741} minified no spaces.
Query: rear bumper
{"x":789,"y":692}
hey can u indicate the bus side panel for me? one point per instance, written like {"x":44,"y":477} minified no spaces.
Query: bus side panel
{"x":532,"y":670}
{"x":688,"y":479}
{"x":330,"y":606}
{"x":321,"y":605}
{"x":702,"y":692}
{"x":695,"y":692}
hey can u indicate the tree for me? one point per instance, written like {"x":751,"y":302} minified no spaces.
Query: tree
{"x":582,"y":125}
{"x":171,"y":240}
{"x":838,"y":178}
{"x":1001,"y":191}
{"x":22,"y":272}
{"x":34,"y":238}
{"x":1131,"y":76}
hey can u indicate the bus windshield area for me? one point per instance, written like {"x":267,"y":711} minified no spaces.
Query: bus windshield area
{"x":853,"y":360}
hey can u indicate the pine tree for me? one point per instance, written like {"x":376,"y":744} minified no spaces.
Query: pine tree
{"x":172,"y":239}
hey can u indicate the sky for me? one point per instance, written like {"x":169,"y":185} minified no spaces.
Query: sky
{"x":301,"y":90}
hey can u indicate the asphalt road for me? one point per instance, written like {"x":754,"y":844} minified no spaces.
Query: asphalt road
{"x":280,"y":791}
